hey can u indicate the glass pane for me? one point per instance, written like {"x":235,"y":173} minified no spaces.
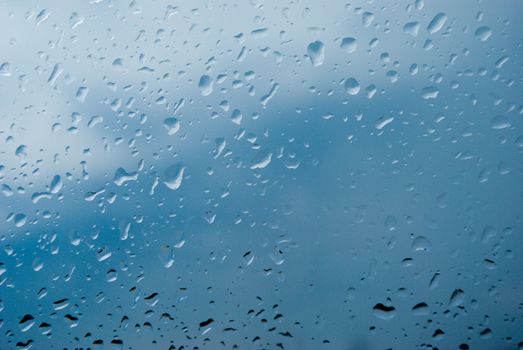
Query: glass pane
{"x":261,"y":174}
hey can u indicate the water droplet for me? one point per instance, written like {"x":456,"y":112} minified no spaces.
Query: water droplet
{"x":56,"y":72}
{"x":103,"y":254}
{"x":266,"y":98}
{"x":386,"y":313}
{"x":316,"y":52}
{"x":206,"y":85}
{"x":21,"y":151}
{"x":96,"y":119}
{"x":429,"y":92}
{"x":411,"y":28}
{"x":383,"y":122}
{"x":261,"y":160}
{"x":490,"y":264}
{"x":236,"y":116}
{"x":119,"y":64}
{"x":457,"y":298}
{"x":20,"y":220}
{"x":500,"y":122}
{"x":56,"y":184}
{"x":437,"y":23}
{"x":111,"y":275}
{"x":420,"y":309}
{"x":81,"y":93}
{"x":125,"y":228}
{"x":349,"y":44}
{"x":367,"y":18}
{"x":7,"y":191}
{"x":421,"y":243}
{"x":172,"y":125}
{"x":37,"y":196}
{"x":352,"y":86}
{"x":166,"y":256}
{"x":174,"y":175}
{"x":121,"y":176}
{"x":26,"y":323}
{"x":37,"y":264}
{"x":5,"y":69}
{"x":220,"y":146}
{"x":42,"y":16}
{"x":260,"y":33}
{"x":483,"y":33}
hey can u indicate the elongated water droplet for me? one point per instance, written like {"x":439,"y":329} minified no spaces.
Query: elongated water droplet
{"x":121,"y":176}
{"x":56,"y":184}
{"x":437,"y":23}
{"x":173,"y":176}
{"x":261,"y":160}
{"x":386,"y":313}
{"x":316,"y":52}
{"x":55,"y":73}
{"x":457,"y":298}
{"x":206,"y":85}
{"x":429,"y":92}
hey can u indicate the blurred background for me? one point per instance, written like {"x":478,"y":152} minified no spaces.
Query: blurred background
{"x":261,"y":174}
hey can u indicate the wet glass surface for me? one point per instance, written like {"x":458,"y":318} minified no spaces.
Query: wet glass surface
{"x":261,"y":174}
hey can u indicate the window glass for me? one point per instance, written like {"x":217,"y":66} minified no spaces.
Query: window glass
{"x":261,"y":174}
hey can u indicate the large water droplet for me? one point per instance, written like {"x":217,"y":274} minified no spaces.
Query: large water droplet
{"x":386,"y":313}
{"x":457,"y":298}
{"x":316,"y":52}
{"x":121,"y":176}
{"x":483,"y":33}
{"x":174,"y":175}
{"x":421,"y":243}
{"x":352,"y":86}
{"x":429,"y":92}
{"x":411,"y":28}
{"x":437,"y":23}
{"x":349,"y":44}
{"x":56,"y":184}
{"x":500,"y":122}
{"x":261,"y":160}
{"x":206,"y":85}
{"x":172,"y":125}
